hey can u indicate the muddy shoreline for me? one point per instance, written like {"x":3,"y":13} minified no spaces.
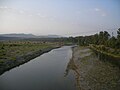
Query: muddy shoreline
{"x":9,"y":64}
{"x":92,"y":73}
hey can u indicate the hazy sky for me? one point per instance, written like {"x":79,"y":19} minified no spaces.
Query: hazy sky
{"x":61,"y":17}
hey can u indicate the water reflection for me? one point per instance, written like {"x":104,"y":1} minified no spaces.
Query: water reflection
{"x":43,"y":73}
{"x":72,"y":66}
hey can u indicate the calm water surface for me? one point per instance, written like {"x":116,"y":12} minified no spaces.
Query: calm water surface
{"x":45,"y":72}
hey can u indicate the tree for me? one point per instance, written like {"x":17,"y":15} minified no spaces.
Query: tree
{"x":96,"y":39}
{"x":106,"y":35}
{"x":118,"y":32}
{"x":112,"y":42}
{"x":118,"y":39}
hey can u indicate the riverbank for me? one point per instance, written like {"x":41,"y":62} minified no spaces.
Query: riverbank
{"x":106,"y":50}
{"x":105,"y":53}
{"x":11,"y":58}
{"x":92,"y":73}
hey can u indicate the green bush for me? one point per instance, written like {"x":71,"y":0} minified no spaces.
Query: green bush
{"x":13,"y":58}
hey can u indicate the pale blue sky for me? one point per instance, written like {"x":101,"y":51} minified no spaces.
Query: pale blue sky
{"x":61,"y":17}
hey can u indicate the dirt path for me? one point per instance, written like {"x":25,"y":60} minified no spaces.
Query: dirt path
{"x":92,"y":73}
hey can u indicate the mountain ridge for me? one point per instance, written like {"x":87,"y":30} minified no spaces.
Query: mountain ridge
{"x":22,"y":35}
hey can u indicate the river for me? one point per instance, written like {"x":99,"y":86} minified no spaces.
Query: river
{"x":45,"y":72}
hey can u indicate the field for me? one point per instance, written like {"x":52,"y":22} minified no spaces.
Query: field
{"x":13,"y":53}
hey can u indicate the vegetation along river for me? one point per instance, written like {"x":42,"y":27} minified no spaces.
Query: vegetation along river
{"x":45,"y":72}
{"x":65,"y":68}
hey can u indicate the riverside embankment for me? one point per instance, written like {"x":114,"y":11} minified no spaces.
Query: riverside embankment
{"x":15,"y":53}
{"x":92,"y":73}
{"x":107,"y":54}
{"x":45,"y":72}
{"x":9,"y":64}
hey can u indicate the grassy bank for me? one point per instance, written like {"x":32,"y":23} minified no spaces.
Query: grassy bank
{"x":14,"y":53}
{"x":106,"y":50}
{"x":106,"y":53}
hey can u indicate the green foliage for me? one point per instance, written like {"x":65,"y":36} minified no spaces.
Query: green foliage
{"x":102,"y":38}
{"x":101,"y":41}
{"x":118,"y":32}
{"x":112,"y":42}
{"x":12,"y":49}
{"x":13,"y":58}
{"x":1,"y":62}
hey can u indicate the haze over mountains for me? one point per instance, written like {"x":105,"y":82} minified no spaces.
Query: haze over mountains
{"x":22,"y":35}
{"x":15,"y":36}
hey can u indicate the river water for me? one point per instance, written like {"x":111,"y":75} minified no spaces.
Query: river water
{"x":45,"y":72}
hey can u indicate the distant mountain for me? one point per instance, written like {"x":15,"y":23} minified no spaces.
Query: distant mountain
{"x":2,"y":38}
{"x":54,"y":36}
{"x":18,"y":35}
{"x":49,"y":36}
{"x":24,"y":36}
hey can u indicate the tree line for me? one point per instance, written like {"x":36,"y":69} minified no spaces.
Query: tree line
{"x":101,"y":38}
